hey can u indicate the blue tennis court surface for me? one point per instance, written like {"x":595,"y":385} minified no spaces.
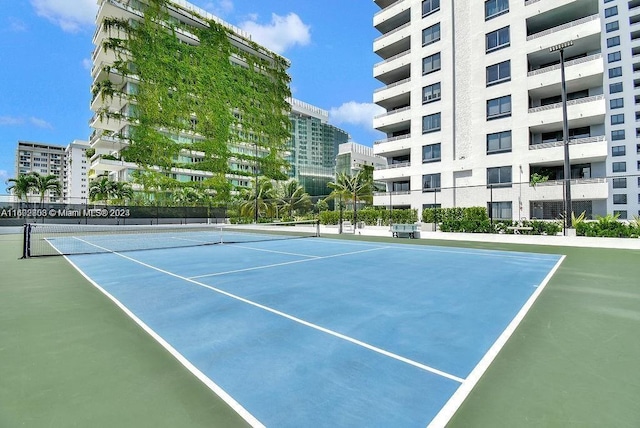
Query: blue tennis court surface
{"x":328,"y":333}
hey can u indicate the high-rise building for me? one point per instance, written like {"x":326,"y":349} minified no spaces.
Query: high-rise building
{"x":68,"y":163}
{"x":194,"y":105}
{"x":474,"y":105}
{"x":313,"y":147}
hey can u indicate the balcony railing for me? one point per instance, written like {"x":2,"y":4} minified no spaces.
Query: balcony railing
{"x":569,"y":103}
{"x":566,"y":64}
{"x":393,"y":85}
{"x":572,"y":141}
{"x":387,"y":8}
{"x":392,"y":112}
{"x":393,"y":165}
{"x":395,"y":30}
{"x":388,"y":60}
{"x":392,"y":139}
{"x":574,"y":181}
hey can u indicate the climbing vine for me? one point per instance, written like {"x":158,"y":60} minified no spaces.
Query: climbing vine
{"x":213,"y":92}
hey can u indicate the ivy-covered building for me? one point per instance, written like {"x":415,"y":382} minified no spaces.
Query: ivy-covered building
{"x":184,"y":99}
{"x":313,"y":147}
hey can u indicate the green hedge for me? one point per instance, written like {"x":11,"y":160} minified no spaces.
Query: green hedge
{"x":608,"y":227}
{"x":371,"y":216}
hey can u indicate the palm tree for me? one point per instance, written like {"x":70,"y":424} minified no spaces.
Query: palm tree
{"x":101,"y":189}
{"x":188,"y":196}
{"x":22,"y":185}
{"x":263,"y":195}
{"x":45,"y":183}
{"x":121,"y":191}
{"x":292,"y":197}
{"x":356,"y":188}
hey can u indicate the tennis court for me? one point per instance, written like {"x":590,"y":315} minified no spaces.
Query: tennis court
{"x":322,"y":332}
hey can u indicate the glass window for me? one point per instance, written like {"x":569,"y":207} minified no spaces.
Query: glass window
{"x":431,"y":63}
{"x":619,"y":166}
{"x":499,"y":107}
{"x":614,"y":57}
{"x":620,"y":199}
{"x":612,"y":26}
{"x":431,"y":153}
{"x":617,"y":135}
{"x":431,"y":182}
{"x":614,"y":88}
{"x":431,"y":93}
{"x":621,"y":214}
{"x":618,"y":151}
{"x":431,"y":123}
{"x":401,"y":186}
{"x":493,"y":8}
{"x":615,"y":72}
{"x":430,"y":6}
{"x":497,"y":39}
{"x":619,"y":183}
{"x":431,"y":34}
{"x":617,"y":119}
{"x":500,"y":210}
{"x":499,"y":176}
{"x":611,"y":11}
{"x":499,"y":142}
{"x":616,"y":103}
{"x":613,"y":41}
{"x":498,"y":73}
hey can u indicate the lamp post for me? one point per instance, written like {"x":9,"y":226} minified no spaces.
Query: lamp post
{"x":255,"y":207}
{"x":565,"y":135}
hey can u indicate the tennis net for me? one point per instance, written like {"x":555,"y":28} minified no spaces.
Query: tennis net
{"x":67,"y":239}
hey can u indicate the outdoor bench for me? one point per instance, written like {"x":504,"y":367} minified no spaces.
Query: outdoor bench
{"x":400,"y":230}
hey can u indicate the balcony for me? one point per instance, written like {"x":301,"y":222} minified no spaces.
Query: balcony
{"x":400,"y":198}
{"x":393,"y":42}
{"x":393,"y":95}
{"x":99,"y":164}
{"x":392,"y":16}
{"x":581,"y":112}
{"x":395,"y":68}
{"x":585,"y":72}
{"x":581,"y":189}
{"x":574,"y":30}
{"x":393,"y":146}
{"x":393,"y":121}
{"x":589,"y":149}
{"x":393,"y":171}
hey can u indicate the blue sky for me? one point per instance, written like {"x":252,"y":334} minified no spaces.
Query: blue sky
{"x":45,"y":51}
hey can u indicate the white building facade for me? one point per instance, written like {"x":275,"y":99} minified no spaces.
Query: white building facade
{"x":474,"y":106}
{"x":75,"y":186}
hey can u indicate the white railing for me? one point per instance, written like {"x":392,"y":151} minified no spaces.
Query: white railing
{"x":563,"y":27}
{"x":566,"y":64}
{"x":572,"y":141}
{"x":388,"y":60}
{"x":569,"y":103}
{"x":393,"y":85}
{"x":392,"y":139}
{"x":392,"y":112}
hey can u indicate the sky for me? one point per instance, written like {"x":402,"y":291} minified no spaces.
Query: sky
{"x":45,"y":61}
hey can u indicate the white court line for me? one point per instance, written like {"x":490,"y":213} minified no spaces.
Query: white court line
{"x":295,"y":319}
{"x":237,"y":407}
{"x":277,"y":252}
{"x":452,"y":405}
{"x":285,"y":263}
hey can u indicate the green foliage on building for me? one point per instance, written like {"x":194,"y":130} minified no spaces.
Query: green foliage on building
{"x":198,"y":92}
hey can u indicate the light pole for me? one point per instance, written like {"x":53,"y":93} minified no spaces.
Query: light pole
{"x":255,"y":207}
{"x":565,"y":135}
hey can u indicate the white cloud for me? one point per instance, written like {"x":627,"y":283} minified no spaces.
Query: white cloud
{"x":10,"y":121}
{"x":87,"y":64}
{"x":40,"y":123}
{"x":4,"y":175}
{"x":16,"y":25}
{"x":219,"y":8}
{"x":280,"y":34}
{"x":354,"y":113}
{"x":71,"y":16}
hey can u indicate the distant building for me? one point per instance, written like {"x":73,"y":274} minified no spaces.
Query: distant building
{"x":69,"y":164}
{"x":352,"y":157}
{"x":313,"y":147}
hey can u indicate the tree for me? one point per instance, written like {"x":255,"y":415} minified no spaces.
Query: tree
{"x":121,"y":191}
{"x":263,"y":195}
{"x":45,"y":183}
{"x":293,"y":198}
{"x":21,"y":186}
{"x":188,"y":196}
{"x":356,"y":188}
{"x":101,"y":189}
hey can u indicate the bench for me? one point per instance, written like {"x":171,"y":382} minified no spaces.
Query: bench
{"x":517,"y":229}
{"x":400,"y":230}
{"x":347,"y":226}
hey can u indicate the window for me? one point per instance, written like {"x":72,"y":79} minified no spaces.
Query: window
{"x":617,"y":119}
{"x":500,"y":176}
{"x":620,"y":199}
{"x":619,"y":167}
{"x":498,"y":73}
{"x":431,"y":93}
{"x":499,"y":107}
{"x":616,"y":103}
{"x":612,"y":26}
{"x":617,"y":135}
{"x":614,"y":88}
{"x":430,"y":6}
{"x":431,"y":153}
{"x":497,"y":39}
{"x":499,"y":142}
{"x":431,"y":123}
{"x":500,"y":210}
{"x":618,"y":151}
{"x":493,"y":8}
{"x":401,"y":186}
{"x":431,"y":182}
{"x":431,"y":34}
{"x":431,"y":64}
{"x":611,"y":11}
{"x":614,"y":57}
{"x":622,"y":214}
{"x":613,"y":41}
{"x":615,"y":72}
{"x":619,"y":183}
